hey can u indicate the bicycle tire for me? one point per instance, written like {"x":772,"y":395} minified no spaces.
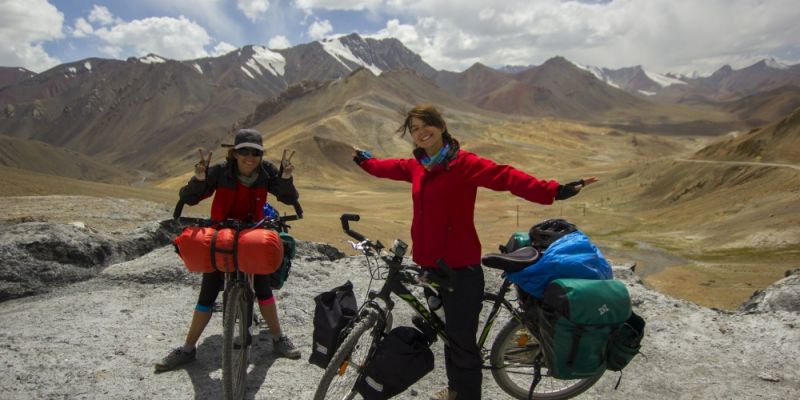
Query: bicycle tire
{"x":512,"y":357}
{"x":354,"y":346}
{"x":234,"y":361}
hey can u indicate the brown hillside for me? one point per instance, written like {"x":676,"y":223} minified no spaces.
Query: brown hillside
{"x":778,"y":142}
{"x":41,"y":157}
{"x":763,"y":108}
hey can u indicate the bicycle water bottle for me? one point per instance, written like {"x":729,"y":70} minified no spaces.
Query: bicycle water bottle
{"x":270,"y":212}
{"x":435,"y":305}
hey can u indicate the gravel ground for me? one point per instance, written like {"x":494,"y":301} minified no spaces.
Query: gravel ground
{"x":98,"y":338}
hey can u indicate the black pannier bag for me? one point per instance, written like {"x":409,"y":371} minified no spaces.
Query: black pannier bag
{"x":334,"y":310}
{"x":402,"y":358}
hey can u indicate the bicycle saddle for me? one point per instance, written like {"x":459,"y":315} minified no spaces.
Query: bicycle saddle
{"x":511,"y":262}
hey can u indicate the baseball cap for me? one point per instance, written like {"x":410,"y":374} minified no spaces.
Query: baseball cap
{"x":247,"y":138}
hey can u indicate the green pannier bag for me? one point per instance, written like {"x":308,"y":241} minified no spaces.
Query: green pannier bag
{"x":577,"y":319}
{"x":278,"y":278}
{"x":517,"y":240}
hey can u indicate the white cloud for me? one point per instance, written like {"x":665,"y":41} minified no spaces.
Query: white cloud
{"x":217,"y":16}
{"x":175,"y":38}
{"x":254,"y":10}
{"x":279,"y":42}
{"x":662,"y":35}
{"x":223,"y":48}
{"x":351,"y":5}
{"x":101,"y":15}
{"x":82,"y":28}
{"x":24,"y":26}
{"x":319,"y":29}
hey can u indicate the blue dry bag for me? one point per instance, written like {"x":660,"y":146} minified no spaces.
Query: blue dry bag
{"x":571,"y":256}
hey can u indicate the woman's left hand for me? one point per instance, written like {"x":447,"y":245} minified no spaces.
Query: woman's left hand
{"x":568,"y":190}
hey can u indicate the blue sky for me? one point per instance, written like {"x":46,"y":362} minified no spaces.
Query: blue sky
{"x":678,"y":36}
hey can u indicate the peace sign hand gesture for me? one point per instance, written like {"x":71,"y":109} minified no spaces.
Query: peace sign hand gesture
{"x":201,"y":168}
{"x":286,"y":164}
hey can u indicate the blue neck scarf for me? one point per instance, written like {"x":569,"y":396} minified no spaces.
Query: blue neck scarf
{"x":430,"y":162}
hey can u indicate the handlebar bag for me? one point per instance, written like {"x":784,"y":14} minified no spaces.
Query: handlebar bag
{"x":334,"y":310}
{"x":402,"y":358}
{"x":254,"y":251}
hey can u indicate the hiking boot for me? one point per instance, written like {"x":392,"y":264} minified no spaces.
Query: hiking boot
{"x":283,"y":347}
{"x":174,"y":359}
{"x":444,"y":394}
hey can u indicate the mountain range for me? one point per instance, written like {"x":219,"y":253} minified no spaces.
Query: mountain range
{"x":139,"y":113}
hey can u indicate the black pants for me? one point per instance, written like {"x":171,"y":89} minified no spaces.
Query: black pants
{"x":214,"y":282}
{"x":462,"y":309}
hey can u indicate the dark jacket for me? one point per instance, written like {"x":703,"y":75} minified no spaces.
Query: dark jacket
{"x":444,"y":202}
{"x":250,"y":205}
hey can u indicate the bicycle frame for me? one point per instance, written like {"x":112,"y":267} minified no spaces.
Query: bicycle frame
{"x":395,"y":284}
{"x":498,"y":300}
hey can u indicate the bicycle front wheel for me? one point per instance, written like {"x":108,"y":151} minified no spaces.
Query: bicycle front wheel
{"x":343,"y":370}
{"x":235,"y":342}
{"x":512,"y":357}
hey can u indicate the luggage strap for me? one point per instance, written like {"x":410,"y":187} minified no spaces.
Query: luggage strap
{"x":573,"y":352}
{"x":232,"y":251}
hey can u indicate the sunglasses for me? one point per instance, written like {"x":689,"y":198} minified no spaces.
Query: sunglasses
{"x":247,"y":151}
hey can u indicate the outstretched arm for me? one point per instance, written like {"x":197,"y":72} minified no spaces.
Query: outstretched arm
{"x":392,"y":168}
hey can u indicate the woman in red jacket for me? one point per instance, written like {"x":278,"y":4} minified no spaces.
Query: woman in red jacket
{"x":444,"y":182}
{"x":240,"y":185}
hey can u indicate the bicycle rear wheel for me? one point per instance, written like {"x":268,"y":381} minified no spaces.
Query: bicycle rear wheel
{"x":512,"y":355}
{"x":340,"y":376}
{"x":235,"y":342}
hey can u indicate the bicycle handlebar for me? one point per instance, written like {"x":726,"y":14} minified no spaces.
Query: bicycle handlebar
{"x":346,"y":218}
{"x":279,"y":222}
{"x":448,"y":282}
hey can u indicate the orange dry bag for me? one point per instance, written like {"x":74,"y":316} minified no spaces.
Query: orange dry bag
{"x":257,"y":251}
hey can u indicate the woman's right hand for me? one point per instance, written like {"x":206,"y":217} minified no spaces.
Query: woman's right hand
{"x":201,"y":168}
{"x":360,"y":156}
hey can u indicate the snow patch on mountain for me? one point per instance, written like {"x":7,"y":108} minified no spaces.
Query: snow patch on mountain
{"x":198,"y":68}
{"x":774,"y":63}
{"x":247,"y":72}
{"x":598,"y":73}
{"x":269,"y":60}
{"x":87,"y":65}
{"x":663,"y":80}
{"x":339,"y":51}
{"x":152,"y":59}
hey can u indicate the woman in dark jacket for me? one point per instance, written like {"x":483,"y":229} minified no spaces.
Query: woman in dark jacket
{"x":242,"y":183}
{"x":444,"y":182}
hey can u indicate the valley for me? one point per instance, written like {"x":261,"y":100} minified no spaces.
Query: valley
{"x":698,"y":181}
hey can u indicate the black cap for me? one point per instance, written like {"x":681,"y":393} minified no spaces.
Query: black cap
{"x":247,"y":138}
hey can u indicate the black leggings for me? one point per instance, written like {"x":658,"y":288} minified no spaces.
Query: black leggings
{"x":214,"y":282}
{"x":462,"y":309}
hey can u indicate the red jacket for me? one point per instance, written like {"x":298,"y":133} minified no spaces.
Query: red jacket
{"x":444,"y":202}
{"x":234,"y":200}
